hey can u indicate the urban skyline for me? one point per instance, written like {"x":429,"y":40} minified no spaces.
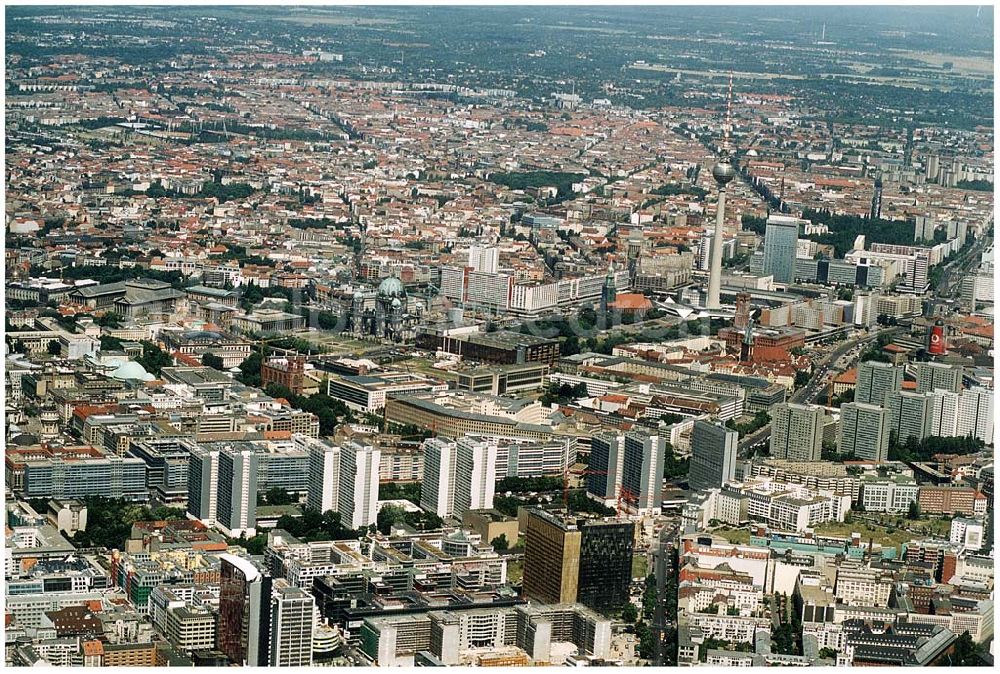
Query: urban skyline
{"x":499,"y":336}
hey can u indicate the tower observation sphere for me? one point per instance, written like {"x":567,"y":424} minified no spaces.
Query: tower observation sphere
{"x":723,"y":171}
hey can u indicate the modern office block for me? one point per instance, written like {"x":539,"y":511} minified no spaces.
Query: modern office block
{"x":975,"y":414}
{"x":293,"y":618}
{"x":939,"y":376}
{"x":359,"y":484}
{"x":713,"y":455}
{"x":574,"y":560}
{"x":876,"y":381}
{"x":796,"y":432}
{"x":642,"y":472}
{"x":781,"y":237}
{"x":244,"y":612}
{"x":864,"y":431}
{"x":236,"y":512}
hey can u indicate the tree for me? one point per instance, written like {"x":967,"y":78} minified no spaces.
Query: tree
{"x":110,"y":320}
{"x":500,"y":543}
{"x":250,"y":370}
{"x":278,"y":496}
{"x":54,"y":348}
{"x":630,"y":614}
{"x":211,"y":360}
{"x":827,"y":654}
{"x":154,"y":359}
{"x":387,"y":516}
{"x":913,"y":512}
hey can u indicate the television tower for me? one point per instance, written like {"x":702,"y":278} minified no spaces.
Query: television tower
{"x":723,"y":172}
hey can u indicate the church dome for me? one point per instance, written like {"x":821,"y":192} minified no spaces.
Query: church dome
{"x":133,"y":371}
{"x":391,"y":287}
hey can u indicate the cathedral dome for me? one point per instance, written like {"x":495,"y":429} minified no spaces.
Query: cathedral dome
{"x":391,"y":287}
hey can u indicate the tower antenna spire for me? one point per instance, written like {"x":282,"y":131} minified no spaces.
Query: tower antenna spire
{"x":729,"y":116}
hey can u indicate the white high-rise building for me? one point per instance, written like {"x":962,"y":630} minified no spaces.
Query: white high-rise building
{"x":876,"y":381}
{"x":203,"y":485}
{"x":475,"y":474}
{"x":642,"y":472}
{"x":293,"y":616}
{"x":975,"y":414}
{"x":359,"y":484}
{"x":909,"y":415}
{"x":943,"y":413}
{"x":935,"y":376}
{"x":484,"y":259}
{"x":864,"y":431}
{"x":236,"y":513}
{"x":437,"y":491}
{"x":458,"y":476}
{"x":324,"y":477}
{"x":796,"y":432}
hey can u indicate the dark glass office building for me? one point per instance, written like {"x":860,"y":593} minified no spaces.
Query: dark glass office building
{"x":606,"y":550}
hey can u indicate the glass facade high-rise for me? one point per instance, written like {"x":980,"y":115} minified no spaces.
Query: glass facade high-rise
{"x":606,"y":550}
{"x":781,"y":238}
{"x":605,"y":466}
{"x":713,"y":455}
{"x":244,"y":612}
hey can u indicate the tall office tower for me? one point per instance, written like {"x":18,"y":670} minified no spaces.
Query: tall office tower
{"x":236,"y":513}
{"x":933,"y":167}
{"x":323,"y":492}
{"x":723,"y":172}
{"x":796,"y":432}
{"x":485,"y":259}
{"x":713,"y":455}
{"x":607,"y":454}
{"x":551,"y":559}
{"x":975,"y":414}
{"x":864,"y":431}
{"x":437,"y":491}
{"x":642,"y":472}
{"x":876,"y":210}
{"x":944,"y":413}
{"x":475,"y":474}
{"x":568,"y":560}
{"x":244,"y":612}
{"x":358,"y":484}
{"x":606,"y":549}
{"x":909,"y":415}
{"x":293,"y":618}
{"x":781,"y":239}
{"x":876,"y":381}
{"x":203,"y":485}
{"x":934,"y":376}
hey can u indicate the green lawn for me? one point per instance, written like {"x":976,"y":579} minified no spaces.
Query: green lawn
{"x":515,"y":571}
{"x":734,"y":536}
{"x":887,"y":537}
{"x":640,"y":565}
